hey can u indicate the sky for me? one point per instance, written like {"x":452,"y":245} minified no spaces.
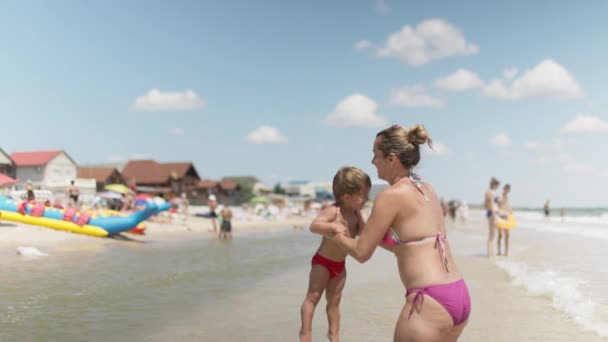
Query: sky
{"x":287,"y":90}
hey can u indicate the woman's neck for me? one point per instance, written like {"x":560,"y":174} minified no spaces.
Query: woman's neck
{"x":400,"y":176}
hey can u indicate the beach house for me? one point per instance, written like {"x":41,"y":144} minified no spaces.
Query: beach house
{"x":50,"y":170}
{"x":7,"y":165}
{"x":102,"y":176}
{"x":151,"y":176}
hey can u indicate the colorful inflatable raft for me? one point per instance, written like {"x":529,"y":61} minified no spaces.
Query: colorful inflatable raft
{"x":72,"y":220}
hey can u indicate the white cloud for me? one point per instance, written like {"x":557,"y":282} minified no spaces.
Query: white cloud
{"x":382,"y":6}
{"x":579,"y":168}
{"x":511,"y":155}
{"x":564,"y":158}
{"x":543,"y":160}
{"x":460,"y":80}
{"x":510,"y":73}
{"x":531,"y":145}
{"x":176,"y":131}
{"x":500,"y":139}
{"x":356,"y":110}
{"x":432,"y":39}
{"x":414,"y":96}
{"x":266,"y":135}
{"x":548,"y":79}
{"x":156,"y":101}
{"x":438,"y":150}
{"x":585,"y":124}
{"x":363,"y":44}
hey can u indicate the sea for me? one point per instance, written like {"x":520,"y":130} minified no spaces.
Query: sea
{"x":563,"y":259}
{"x":251,"y":288}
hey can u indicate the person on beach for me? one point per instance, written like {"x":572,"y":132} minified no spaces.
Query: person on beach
{"x":546,"y":209}
{"x":351,"y":187}
{"x":463,"y":212}
{"x":212,"y":204}
{"x":407,"y":219}
{"x":504,"y":210}
{"x":490,"y":205}
{"x":226,"y":227}
{"x":73,"y":194}
{"x":29,"y":190}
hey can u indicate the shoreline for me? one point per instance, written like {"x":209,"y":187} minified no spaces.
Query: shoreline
{"x":14,"y":234}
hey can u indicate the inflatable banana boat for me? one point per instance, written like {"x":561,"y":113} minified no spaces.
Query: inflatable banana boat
{"x":72,"y":220}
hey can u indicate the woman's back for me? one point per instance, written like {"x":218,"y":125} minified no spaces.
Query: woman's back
{"x":423,"y":255}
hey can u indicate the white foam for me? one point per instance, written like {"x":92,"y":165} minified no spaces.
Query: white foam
{"x":28,"y":251}
{"x":564,"y":292}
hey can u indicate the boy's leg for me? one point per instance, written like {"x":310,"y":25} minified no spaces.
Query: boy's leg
{"x":317,"y":282}
{"x":333,"y":296}
{"x":506,"y":242}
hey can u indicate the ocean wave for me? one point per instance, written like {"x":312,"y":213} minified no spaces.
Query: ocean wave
{"x":565,"y":293}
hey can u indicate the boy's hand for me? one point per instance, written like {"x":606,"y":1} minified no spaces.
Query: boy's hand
{"x":340,"y":229}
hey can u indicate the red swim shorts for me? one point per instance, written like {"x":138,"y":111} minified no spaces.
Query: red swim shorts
{"x":335,"y":268}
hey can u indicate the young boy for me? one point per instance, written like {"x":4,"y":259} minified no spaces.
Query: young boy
{"x":350,"y":187}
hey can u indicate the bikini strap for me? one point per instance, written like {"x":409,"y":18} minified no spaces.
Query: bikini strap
{"x":417,"y":181}
{"x":440,"y":246}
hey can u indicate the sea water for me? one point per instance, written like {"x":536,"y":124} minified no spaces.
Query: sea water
{"x":563,"y":260}
{"x":251,"y":288}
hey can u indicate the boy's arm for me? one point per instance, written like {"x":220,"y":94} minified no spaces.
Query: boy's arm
{"x":360,"y":223}
{"x":325,"y":223}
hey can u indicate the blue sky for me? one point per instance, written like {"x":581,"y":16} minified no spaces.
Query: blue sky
{"x":294,"y":90}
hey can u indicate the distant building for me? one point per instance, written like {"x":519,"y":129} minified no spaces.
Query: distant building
{"x":51,"y":170}
{"x":7,"y":165}
{"x":150,"y":176}
{"x":102,"y":176}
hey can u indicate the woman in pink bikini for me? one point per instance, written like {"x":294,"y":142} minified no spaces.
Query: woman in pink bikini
{"x":407,"y":219}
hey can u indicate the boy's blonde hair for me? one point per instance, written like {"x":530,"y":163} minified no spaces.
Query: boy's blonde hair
{"x":350,"y":180}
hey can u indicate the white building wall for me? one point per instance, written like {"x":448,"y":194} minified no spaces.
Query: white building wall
{"x":33,"y":173}
{"x":4,"y":159}
{"x":59,"y":172}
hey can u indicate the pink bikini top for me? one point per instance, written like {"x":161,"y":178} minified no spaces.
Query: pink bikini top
{"x":391,"y":239}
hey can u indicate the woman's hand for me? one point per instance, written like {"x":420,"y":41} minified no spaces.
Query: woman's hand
{"x":340,"y":229}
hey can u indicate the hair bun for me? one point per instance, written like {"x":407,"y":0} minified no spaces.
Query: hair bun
{"x":417,"y":135}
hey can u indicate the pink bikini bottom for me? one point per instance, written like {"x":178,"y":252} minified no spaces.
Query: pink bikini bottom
{"x":454,"y":297}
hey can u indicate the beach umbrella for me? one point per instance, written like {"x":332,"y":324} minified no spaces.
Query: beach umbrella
{"x":143,"y":196}
{"x":6,"y":180}
{"x":119,"y":188}
{"x":260,"y":200}
{"x":110,"y":194}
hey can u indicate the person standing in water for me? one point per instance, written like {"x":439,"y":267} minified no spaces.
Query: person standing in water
{"x":489,"y":204}
{"x":504,"y":210}
{"x":546,"y":209}
{"x":226,"y":227}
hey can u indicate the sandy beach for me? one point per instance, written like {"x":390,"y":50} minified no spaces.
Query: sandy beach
{"x":372,"y":300}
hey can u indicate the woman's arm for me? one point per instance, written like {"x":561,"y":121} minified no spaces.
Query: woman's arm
{"x":381,"y":218}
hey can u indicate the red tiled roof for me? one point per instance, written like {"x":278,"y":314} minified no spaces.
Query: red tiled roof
{"x":151,"y":172}
{"x":228,"y":185}
{"x":33,"y":158}
{"x":206,"y":184}
{"x":100,"y":174}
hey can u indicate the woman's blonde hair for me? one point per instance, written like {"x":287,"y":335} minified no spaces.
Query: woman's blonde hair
{"x":350,"y":180}
{"x":404,"y":143}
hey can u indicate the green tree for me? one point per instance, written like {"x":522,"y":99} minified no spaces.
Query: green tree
{"x":278,"y":189}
